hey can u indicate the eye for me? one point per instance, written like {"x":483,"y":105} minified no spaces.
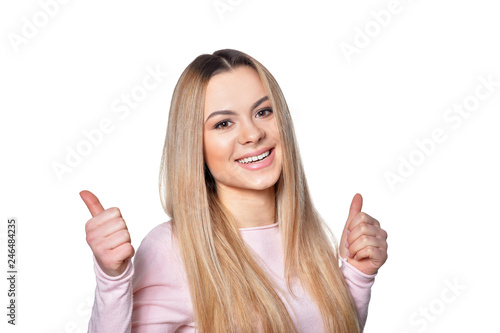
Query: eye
{"x":264,"y":112}
{"x":223,"y":124}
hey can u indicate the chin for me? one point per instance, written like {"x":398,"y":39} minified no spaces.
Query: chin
{"x":262,"y":184}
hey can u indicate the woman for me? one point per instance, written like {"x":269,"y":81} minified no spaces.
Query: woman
{"x":245,"y":249}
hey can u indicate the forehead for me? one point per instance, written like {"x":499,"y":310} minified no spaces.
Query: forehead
{"x":233,"y":90}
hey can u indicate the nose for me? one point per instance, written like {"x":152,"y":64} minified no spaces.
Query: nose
{"x":250,"y":132}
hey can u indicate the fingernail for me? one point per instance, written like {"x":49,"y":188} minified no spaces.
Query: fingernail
{"x":346,"y":244}
{"x":348,"y":253}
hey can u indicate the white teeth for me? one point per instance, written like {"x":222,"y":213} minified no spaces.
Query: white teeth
{"x":254,"y":158}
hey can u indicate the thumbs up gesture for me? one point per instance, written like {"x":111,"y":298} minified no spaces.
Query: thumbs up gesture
{"x":107,"y":236}
{"x":363,"y":242}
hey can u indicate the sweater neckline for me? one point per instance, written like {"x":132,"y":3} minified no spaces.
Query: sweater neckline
{"x":269,"y":226}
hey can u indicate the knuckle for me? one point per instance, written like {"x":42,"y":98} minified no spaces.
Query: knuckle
{"x":114,"y":211}
{"x":122,"y":223}
{"x":124,"y":234}
{"x":130,"y":250}
{"x":116,"y":222}
{"x":91,"y":239}
{"x":88,"y":226}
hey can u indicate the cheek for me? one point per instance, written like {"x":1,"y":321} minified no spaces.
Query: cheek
{"x":272,"y":128}
{"x":216,"y":152}
{"x":276,"y":137}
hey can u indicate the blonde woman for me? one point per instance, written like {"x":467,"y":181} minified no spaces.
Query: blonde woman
{"x":245,"y":250}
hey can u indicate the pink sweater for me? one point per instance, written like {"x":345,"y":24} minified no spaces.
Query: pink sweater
{"x":154,"y":296}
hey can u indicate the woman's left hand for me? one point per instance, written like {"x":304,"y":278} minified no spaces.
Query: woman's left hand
{"x":363,"y":242}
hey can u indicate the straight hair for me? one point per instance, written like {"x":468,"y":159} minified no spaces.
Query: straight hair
{"x":229,"y":290}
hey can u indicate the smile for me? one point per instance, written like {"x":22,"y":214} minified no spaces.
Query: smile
{"x":255,"y":159}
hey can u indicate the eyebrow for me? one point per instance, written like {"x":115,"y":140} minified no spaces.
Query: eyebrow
{"x":232,"y":113}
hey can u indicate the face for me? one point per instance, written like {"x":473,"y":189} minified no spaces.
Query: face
{"x":240,"y":138}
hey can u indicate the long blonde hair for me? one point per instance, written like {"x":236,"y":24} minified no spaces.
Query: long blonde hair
{"x":229,"y":290}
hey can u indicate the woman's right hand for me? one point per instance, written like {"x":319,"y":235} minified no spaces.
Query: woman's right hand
{"x":107,"y":236}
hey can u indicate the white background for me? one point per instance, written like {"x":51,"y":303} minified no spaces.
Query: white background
{"x":355,"y":117}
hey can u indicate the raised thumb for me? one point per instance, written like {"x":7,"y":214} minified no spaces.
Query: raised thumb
{"x":93,"y":204}
{"x":356,"y":205}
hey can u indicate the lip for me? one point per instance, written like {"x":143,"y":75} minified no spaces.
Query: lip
{"x":258,"y":165}
{"x":255,"y":153}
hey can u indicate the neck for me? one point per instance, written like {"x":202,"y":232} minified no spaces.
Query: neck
{"x":250,"y":208}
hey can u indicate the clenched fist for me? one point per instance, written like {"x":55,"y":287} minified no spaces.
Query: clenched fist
{"x":363,"y":242}
{"x":107,"y":236}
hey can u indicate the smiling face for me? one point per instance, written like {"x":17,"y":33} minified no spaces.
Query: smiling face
{"x":241,"y":142}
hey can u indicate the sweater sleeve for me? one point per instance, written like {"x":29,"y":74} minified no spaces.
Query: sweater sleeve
{"x":151,"y":296}
{"x":360,"y":285}
{"x":112,"y":310}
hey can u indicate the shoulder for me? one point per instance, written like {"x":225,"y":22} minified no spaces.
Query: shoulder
{"x":158,"y":256}
{"x":158,"y":246}
{"x":161,"y":236}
